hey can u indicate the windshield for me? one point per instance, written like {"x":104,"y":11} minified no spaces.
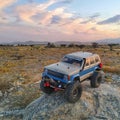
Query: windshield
{"x":69,"y":60}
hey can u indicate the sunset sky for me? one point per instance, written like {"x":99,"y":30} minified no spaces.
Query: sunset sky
{"x":59,"y":20}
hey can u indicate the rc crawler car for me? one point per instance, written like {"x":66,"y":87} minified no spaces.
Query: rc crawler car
{"x":68,"y":74}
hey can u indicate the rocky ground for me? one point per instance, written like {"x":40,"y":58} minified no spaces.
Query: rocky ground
{"x":101,"y":103}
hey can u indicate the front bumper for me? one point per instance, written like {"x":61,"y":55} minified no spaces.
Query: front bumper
{"x":53,"y":83}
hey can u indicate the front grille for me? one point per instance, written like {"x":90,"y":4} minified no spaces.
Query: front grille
{"x":55,"y":74}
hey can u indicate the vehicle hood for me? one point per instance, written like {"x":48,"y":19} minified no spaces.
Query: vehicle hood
{"x":64,"y":68}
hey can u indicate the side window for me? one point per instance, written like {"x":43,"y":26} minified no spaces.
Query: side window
{"x":87,"y":63}
{"x":92,"y":61}
{"x":96,"y":59}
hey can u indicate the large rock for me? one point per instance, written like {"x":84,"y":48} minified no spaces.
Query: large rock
{"x":101,"y":103}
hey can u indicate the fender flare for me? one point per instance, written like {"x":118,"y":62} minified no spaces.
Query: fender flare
{"x":77,"y":77}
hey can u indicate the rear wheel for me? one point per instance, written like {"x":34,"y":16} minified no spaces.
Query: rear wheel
{"x":96,"y":79}
{"x":47,"y":90}
{"x":73,"y":92}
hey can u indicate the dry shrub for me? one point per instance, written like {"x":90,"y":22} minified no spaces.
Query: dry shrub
{"x":111,"y":69}
{"x":5,"y":85}
{"x":108,"y":79}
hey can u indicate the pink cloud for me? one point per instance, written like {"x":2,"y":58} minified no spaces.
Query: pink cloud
{"x":35,"y":22}
{"x":5,"y":3}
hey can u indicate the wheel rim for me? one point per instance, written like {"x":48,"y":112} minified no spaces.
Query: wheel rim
{"x":75,"y":93}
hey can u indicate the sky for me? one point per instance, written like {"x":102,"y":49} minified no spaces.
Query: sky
{"x":59,"y":20}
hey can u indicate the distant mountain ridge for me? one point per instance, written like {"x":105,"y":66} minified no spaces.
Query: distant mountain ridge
{"x":104,"y":41}
{"x":109,"y":41}
{"x":26,"y":43}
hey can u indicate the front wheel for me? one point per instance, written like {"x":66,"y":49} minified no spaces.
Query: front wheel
{"x":96,"y":79}
{"x":47,"y":90}
{"x":73,"y":92}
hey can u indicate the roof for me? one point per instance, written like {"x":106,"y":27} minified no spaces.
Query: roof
{"x":81,"y":54}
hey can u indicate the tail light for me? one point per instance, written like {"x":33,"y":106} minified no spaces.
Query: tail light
{"x":100,"y":65}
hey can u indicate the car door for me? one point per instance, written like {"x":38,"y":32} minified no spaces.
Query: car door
{"x":88,"y":69}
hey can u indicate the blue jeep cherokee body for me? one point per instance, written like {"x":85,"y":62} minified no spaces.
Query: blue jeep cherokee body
{"x":70,"y":72}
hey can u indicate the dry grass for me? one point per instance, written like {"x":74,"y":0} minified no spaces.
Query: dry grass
{"x":25,"y":65}
{"x":111,"y":69}
{"x":29,"y":61}
{"x":7,"y":66}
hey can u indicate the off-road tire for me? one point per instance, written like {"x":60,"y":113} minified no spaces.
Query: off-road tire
{"x":96,"y":79}
{"x":47,"y":90}
{"x":73,"y":92}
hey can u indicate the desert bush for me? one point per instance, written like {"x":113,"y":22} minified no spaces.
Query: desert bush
{"x":63,"y":45}
{"x":94,"y":45}
{"x":111,"y":46}
{"x":108,"y":78}
{"x":117,"y":53}
{"x":71,"y":45}
{"x":50,"y":45}
{"x":111,"y":69}
{"x":5,"y":85}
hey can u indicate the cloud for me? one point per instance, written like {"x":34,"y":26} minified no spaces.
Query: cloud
{"x":85,"y":22}
{"x":31,"y":1}
{"x":91,"y":18}
{"x":93,"y":29}
{"x":6,"y":14}
{"x":29,"y":12}
{"x":24,"y":12}
{"x":26,"y":33}
{"x":57,"y":16}
{"x":45,"y":5}
{"x":71,"y":31}
{"x":112,"y":20}
{"x":55,"y":19}
{"x":35,"y":20}
{"x":95,"y":15}
{"x":66,"y":1}
{"x":33,"y":13}
{"x":5,"y":3}
{"x":38,"y":14}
